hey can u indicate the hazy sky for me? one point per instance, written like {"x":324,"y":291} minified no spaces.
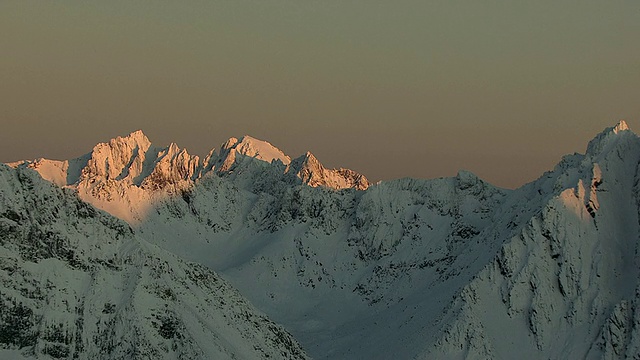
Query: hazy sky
{"x":388,"y":88}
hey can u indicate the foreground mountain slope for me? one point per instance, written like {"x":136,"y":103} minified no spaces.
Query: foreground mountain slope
{"x":78,"y":283}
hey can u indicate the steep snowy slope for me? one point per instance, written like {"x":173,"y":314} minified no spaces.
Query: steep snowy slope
{"x":78,"y":283}
{"x":566,"y":284}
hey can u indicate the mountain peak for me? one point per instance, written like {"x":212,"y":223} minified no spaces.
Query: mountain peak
{"x":608,"y":137}
{"x":134,"y":139}
{"x":621,"y":126}
{"x":259,"y":149}
{"x":309,"y":169}
{"x":308,"y":156}
{"x":229,"y":144}
{"x":137,"y":134}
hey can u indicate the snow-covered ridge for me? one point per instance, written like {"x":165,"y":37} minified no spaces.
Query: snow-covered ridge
{"x":608,"y":137}
{"x":126,"y":175}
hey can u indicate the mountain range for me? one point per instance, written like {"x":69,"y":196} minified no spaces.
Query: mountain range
{"x":139,"y":251}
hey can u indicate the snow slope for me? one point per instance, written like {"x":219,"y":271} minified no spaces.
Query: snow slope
{"x":565,"y":284}
{"x":442,"y":268}
{"x":78,"y":283}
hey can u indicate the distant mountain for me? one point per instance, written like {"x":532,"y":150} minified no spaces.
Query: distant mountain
{"x":442,"y":268}
{"x":126,"y":175}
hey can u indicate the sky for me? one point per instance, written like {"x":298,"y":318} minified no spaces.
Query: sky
{"x":407,"y":88}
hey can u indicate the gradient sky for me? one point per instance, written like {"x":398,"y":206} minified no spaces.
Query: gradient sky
{"x":388,"y":88}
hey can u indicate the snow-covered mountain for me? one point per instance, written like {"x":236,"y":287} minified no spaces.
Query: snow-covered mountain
{"x":442,"y":268}
{"x":126,"y":175}
{"x":77,"y":283}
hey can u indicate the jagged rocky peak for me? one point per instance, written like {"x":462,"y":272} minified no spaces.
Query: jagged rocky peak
{"x":608,"y":137}
{"x":306,"y":161}
{"x":115,"y":167}
{"x":621,"y":126}
{"x":230,"y":144}
{"x":118,"y":158}
{"x":309,"y":169}
{"x":135,"y":140}
{"x":137,"y":136}
{"x":306,"y":167}
{"x":172,"y":167}
{"x":133,"y":159}
{"x":126,"y":175}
